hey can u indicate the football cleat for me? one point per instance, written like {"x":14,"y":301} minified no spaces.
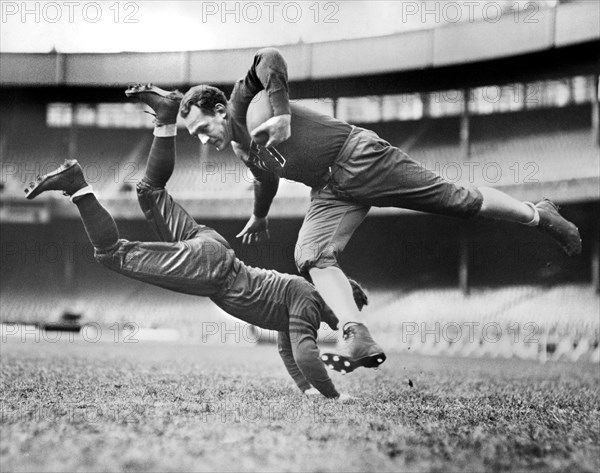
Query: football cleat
{"x":344,"y":365}
{"x":164,"y":104}
{"x":561,"y":230}
{"x":359,"y":350}
{"x":67,"y":178}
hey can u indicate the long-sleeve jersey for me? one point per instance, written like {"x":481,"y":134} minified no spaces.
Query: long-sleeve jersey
{"x":290,"y":305}
{"x":203,"y":264}
{"x":316,"y":139}
{"x":195,"y":259}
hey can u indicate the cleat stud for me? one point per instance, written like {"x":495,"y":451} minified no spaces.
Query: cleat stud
{"x":343,"y":371}
{"x":330,"y":367}
{"x":324,"y":357}
{"x":379,"y":360}
{"x":346,"y":363}
{"x":336,"y":358}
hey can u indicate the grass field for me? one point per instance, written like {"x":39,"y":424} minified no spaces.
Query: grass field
{"x":164,"y":407}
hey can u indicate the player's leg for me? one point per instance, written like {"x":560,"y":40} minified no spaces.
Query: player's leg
{"x":179,"y":266}
{"x":382,"y":175}
{"x":168,"y":219}
{"x":357,"y":347}
{"x":68,"y":178}
{"x":327,"y":228}
{"x":544,"y":215}
{"x":335,"y":289}
{"x":498,"y":205}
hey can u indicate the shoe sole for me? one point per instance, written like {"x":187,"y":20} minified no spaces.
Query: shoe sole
{"x":36,"y":188}
{"x":149,"y":88}
{"x":344,"y":365}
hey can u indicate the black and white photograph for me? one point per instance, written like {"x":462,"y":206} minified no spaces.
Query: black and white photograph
{"x":300,"y":236}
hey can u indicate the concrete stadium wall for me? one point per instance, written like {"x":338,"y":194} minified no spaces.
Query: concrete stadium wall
{"x":450,"y":44}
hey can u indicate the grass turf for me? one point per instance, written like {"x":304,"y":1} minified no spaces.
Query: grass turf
{"x":164,"y":407}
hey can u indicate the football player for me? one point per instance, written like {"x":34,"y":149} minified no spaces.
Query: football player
{"x":349,"y":169}
{"x":195,"y":259}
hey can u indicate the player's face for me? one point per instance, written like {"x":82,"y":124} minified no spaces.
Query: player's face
{"x":211,"y":129}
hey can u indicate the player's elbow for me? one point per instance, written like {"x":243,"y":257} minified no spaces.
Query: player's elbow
{"x":269,"y":52}
{"x":304,"y":359}
{"x":270,"y":56}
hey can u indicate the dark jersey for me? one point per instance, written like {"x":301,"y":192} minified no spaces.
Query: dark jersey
{"x":204,"y":265}
{"x":315,"y":142}
{"x":289,"y":305}
{"x":316,"y":139}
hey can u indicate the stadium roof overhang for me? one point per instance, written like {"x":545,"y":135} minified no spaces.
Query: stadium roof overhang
{"x":558,"y":42}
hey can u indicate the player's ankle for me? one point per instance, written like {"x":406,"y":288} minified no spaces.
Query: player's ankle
{"x":82,"y":191}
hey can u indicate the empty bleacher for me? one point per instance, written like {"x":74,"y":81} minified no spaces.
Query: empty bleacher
{"x":114,"y":160}
{"x":524,"y":320}
{"x":542,"y":145}
{"x":540,"y":323}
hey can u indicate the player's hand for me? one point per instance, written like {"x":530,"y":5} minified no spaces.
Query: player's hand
{"x":278,"y":129}
{"x":312,"y":393}
{"x":344,"y":398}
{"x":255,"y":231}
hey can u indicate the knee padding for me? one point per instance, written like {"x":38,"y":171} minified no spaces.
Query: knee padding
{"x":146,"y":185}
{"x":307,"y":258}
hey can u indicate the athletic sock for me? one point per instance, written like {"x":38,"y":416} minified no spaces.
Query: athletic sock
{"x":87,"y":189}
{"x":99,"y":224}
{"x":161,"y":160}
{"x":534,"y":222}
{"x":165,"y":131}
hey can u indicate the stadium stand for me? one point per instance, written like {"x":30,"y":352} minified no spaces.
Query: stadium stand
{"x":522,"y":321}
{"x":560,"y":321}
{"x":517,"y":147}
{"x":202,"y":172}
{"x":114,"y":161}
{"x":103,"y":300}
{"x":507,"y":149}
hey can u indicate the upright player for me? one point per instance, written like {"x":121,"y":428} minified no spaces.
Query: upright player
{"x":349,"y":170}
{"x":195,"y":259}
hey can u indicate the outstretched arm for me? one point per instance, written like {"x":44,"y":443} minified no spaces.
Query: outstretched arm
{"x":305,"y":309}
{"x":268,"y":72}
{"x":285,"y":351}
{"x":265,"y":189}
{"x":306,"y":353}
